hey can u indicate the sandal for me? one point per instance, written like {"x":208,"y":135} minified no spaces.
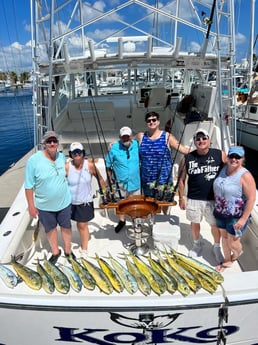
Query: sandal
{"x":223,"y":266}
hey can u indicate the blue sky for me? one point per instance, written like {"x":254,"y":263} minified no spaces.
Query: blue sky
{"x":15,"y":47}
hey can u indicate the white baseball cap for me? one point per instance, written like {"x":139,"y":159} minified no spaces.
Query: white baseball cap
{"x":201,"y":131}
{"x":76,"y":146}
{"x":125,"y":131}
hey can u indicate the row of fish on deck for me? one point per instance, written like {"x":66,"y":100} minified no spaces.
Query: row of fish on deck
{"x":169,"y":272}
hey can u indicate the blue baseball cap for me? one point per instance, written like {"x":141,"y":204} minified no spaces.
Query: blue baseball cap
{"x":239,"y":150}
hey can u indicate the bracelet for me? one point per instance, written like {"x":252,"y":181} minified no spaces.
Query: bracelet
{"x":181,"y":199}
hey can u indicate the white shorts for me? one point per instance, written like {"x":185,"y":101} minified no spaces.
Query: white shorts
{"x":196,"y":210}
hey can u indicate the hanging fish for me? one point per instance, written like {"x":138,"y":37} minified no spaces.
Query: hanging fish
{"x":31,"y":278}
{"x":126,"y":277}
{"x":8,"y":276}
{"x":99,"y":276}
{"x":61,"y":281}
{"x":73,"y":277}
{"x":47,"y":281}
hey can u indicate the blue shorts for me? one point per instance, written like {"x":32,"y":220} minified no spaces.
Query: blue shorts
{"x":228,"y":225}
{"x":83,"y":213}
{"x":50,"y":219}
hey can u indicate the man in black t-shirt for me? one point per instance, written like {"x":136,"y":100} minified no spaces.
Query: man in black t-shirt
{"x":201,"y":167}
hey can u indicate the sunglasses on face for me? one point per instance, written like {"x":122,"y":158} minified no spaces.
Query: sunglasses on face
{"x":235,"y":156}
{"x":151,"y":120}
{"x":76,"y":152}
{"x":203,"y":138}
{"x":50,"y":141}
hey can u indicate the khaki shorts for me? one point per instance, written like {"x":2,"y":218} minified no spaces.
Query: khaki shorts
{"x":196,"y":210}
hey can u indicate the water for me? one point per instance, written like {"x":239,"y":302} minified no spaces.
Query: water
{"x":16,"y":126}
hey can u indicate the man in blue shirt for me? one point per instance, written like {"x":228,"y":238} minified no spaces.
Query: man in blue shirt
{"x":48,"y":194}
{"x":123,"y":167}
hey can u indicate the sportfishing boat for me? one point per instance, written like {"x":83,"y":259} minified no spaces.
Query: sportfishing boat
{"x":74,"y":95}
{"x":247,"y":119}
{"x":247,"y":105}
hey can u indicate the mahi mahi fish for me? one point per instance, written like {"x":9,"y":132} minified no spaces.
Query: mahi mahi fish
{"x":73,"y":277}
{"x":8,"y":276}
{"x":207,"y":283}
{"x":99,"y":276}
{"x":191,"y":280}
{"x":217,"y":276}
{"x":142,"y":281}
{"x":31,"y":278}
{"x":110,"y":273}
{"x":61,"y":281}
{"x":47,"y":281}
{"x":126,"y":277}
{"x":87,"y":280}
{"x":182,"y":286}
{"x":170,"y":281}
{"x":156,"y":282}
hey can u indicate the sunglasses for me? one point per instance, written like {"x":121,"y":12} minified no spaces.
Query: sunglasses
{"x":151,"y":120}
{"x":203,"y":138}
{"x":50,"y":141}
{"x":235,"y":156}
{"x":76,"y":152}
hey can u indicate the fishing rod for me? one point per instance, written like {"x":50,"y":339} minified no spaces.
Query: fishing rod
{"x":117,"y":187}
{"x":112,"y":190}
{"x":101,"y":191}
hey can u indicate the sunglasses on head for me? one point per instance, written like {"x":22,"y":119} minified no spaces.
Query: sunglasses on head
{"x":151,"y":120}
{"x":76,"y":152}
{"x":203,"y":138}
{"x":234,"y":155}
{"x":49,"y":141}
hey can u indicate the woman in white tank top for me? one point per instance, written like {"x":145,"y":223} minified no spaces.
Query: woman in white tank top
{"x":79,"y":172}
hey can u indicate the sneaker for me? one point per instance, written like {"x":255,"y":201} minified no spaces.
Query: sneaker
{"x":70,"y":256}
{"x":83,"y":253}
{"x":218,"y":255}
{"x":53,"y":259}
{"x":119,"y":226}
{"x":195,"y":251}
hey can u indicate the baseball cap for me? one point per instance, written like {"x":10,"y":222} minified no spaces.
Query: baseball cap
{"x":201,"y":130}
{"x":125,"y":131}
{"x":76,"y":146}
{"x":239,"y":150}
{"x":48,"y":135}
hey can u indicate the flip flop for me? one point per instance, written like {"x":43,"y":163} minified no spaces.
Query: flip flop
{"x":235,"y":257}
{"x":223,"y":266}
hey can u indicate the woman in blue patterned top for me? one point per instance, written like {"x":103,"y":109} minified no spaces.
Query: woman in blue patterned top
{"x":155,"y":155}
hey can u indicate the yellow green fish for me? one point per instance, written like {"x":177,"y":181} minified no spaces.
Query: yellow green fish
{"x":99,"y":276}
{"x":110,"y":273}
{"x":61,"y":281}
{"x":31,"y":278}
